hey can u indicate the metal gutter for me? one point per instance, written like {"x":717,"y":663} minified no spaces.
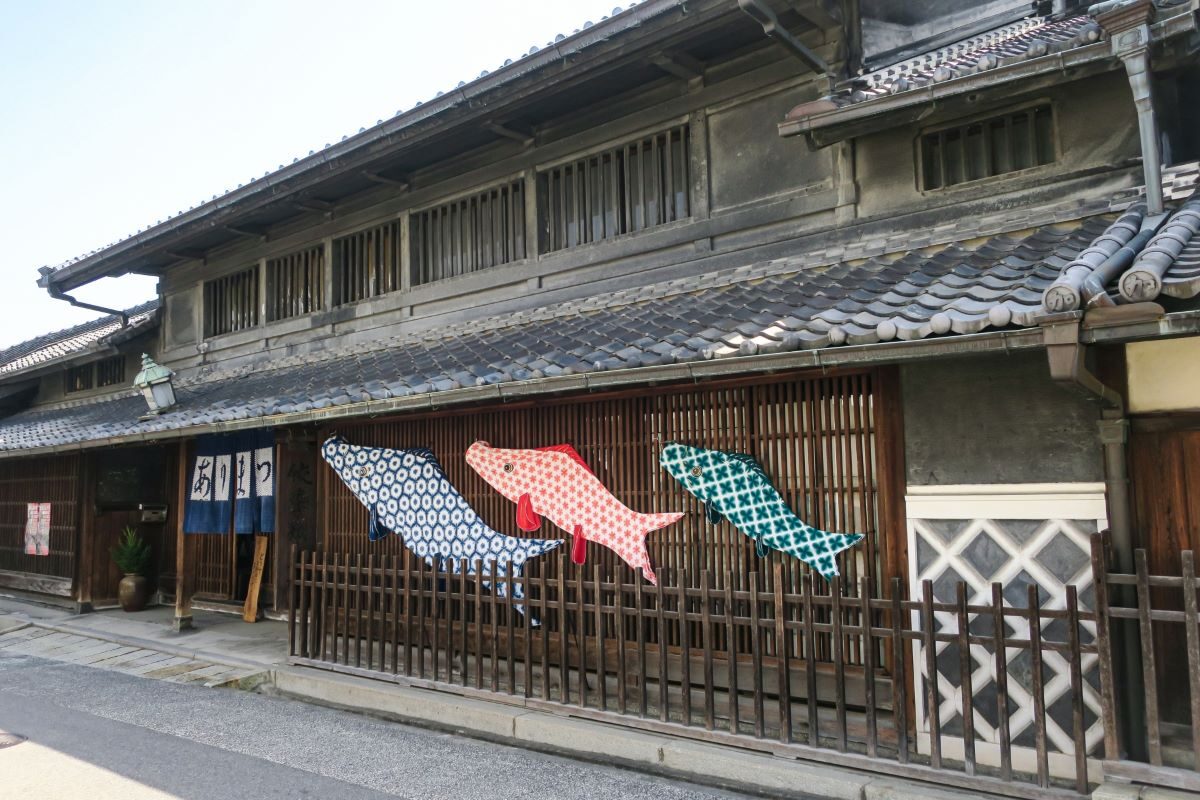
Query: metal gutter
{"x":369,"y":142}
{"x":58,"y":294}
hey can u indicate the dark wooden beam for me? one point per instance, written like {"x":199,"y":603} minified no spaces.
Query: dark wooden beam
{"x":185,"y":546}
{"x":763,"y":15}
{"x":375,"y":177}
{"x":252,"y":233}
{"x":821,"y":14}
{"x":681,"y":65}
{"x":312,"y":204}
{"x":525,"y":138}
{"x":187,"y":254}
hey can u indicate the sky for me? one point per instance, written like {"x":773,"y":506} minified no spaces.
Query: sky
{"x":116,"y":114}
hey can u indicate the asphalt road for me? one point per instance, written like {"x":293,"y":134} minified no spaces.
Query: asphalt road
{"x":97,"y":735}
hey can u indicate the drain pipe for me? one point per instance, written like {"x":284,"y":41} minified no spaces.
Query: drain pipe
{"x":58,"y":294}
{"x":1127,"y":23}
{"x":1068,"y":368}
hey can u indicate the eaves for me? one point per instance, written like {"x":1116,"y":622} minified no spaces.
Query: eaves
{"x":829,"y":127}
{"x":697,"y":371}
{"x":359,"y":150}
{"x":105,"y":346}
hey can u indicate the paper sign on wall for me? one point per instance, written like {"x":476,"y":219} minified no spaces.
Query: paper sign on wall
{"x":37,"y":529}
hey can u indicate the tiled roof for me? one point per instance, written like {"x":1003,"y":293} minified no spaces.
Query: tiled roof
{"x":1038,"y":40}
{"x":60,"y":344}
{"x":962,"y":277}
{"x":1030,"y":38}
{"x":773,"y":306}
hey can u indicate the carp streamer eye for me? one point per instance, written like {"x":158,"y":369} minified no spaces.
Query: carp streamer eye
{"x":696,"y":472}
{"x":508,"y":467}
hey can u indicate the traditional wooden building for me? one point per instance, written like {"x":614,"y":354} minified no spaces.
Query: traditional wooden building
{"x":932,"y":265}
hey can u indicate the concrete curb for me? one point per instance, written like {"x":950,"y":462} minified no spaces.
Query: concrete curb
{"x":151,"y":644}
{"x":698,"y":762}
{"x":9,"y":624}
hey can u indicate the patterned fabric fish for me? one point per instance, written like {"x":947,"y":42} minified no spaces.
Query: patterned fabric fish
{"x":408,"y":493}
{"x":734,"y":486}
{"x":556,"y":483}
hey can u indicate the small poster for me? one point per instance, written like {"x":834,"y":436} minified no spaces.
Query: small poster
{"x":37,"y":529}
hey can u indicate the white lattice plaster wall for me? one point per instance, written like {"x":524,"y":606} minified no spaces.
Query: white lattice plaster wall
{"x":1017,"y":535}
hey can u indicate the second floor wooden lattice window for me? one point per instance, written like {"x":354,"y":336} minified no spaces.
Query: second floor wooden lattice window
{"x":110,"y":371}
{"x":366,"y":264}
{"x":296,"y":284}
{"x":80,"y":379}
{"x":641,"y":184}
{"x":1007,"y":143}
{"x":231,"y":302}
{"x":469,"y":234}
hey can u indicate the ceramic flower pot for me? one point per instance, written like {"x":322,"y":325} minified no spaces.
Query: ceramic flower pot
{"x":132,"y":592}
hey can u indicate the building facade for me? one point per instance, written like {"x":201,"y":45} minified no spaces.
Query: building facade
{"x":934,"y":269}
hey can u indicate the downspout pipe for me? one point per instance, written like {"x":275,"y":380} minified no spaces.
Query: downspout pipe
{"x":1127,"y":23}
{"x":58,"y":294}
{"x":1068,"y":367}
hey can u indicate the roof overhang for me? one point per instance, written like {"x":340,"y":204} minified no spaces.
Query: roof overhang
{"x":644,"y":35}
{"x":828,"y":124}
{"x":1176,"y":324}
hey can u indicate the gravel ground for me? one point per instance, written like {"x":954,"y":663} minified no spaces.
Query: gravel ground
{"x":190,"y":742}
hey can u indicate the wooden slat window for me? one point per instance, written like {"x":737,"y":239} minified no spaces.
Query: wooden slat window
{"x":638,"y":185}
{"x":49,"y":479}
{"x":1008,"y":143}
{"x":366,"y":264}
{"x":296,"y":284}
{"x":469,"y":234}
{"x":110,"y":371}
{"x":80,"y":379}
{"x":231,"y":302}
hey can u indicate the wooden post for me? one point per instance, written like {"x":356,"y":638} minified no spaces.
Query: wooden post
{"x":250,"y":608}
{"x":85,"y":552}
{"x":185,"y":549}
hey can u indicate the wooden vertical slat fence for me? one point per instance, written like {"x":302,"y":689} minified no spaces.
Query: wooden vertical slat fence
{"x":468,"y":627}
{"x":1160,"y":605}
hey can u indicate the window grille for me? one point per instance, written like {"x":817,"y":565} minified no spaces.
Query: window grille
{"x":986,"y":148}
{"x":469,"y":234}
{"x":367,"y":263}
{"x":296,"y":284}
{"x":110,"y":371}
{"x":80,"y":379}
{"x":629,"y":188}
{"x":231,"y":302}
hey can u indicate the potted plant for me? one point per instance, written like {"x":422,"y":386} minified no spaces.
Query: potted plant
{"x":132,"y":555}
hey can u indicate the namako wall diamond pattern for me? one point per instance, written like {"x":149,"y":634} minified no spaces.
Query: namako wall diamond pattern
{"x":1017,"y":535}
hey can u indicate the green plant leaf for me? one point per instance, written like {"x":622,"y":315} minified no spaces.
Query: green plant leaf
{"x":132,"y":553}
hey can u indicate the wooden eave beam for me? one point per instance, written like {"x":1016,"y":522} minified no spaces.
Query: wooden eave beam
{"x":375,"y":177}
{"x":187,"y":254}
{"x":251,"y":233}
{"x":761,"y":13}
{"x":312,"y":204}
{"x":822,"y":14}
{"x":524,"y":138}
{"x":681,"y":65}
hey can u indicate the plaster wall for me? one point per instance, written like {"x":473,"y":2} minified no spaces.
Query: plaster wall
{"x":1096,"y":127}
{"x":996,"y":420}
{"x":1156,"y":381}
